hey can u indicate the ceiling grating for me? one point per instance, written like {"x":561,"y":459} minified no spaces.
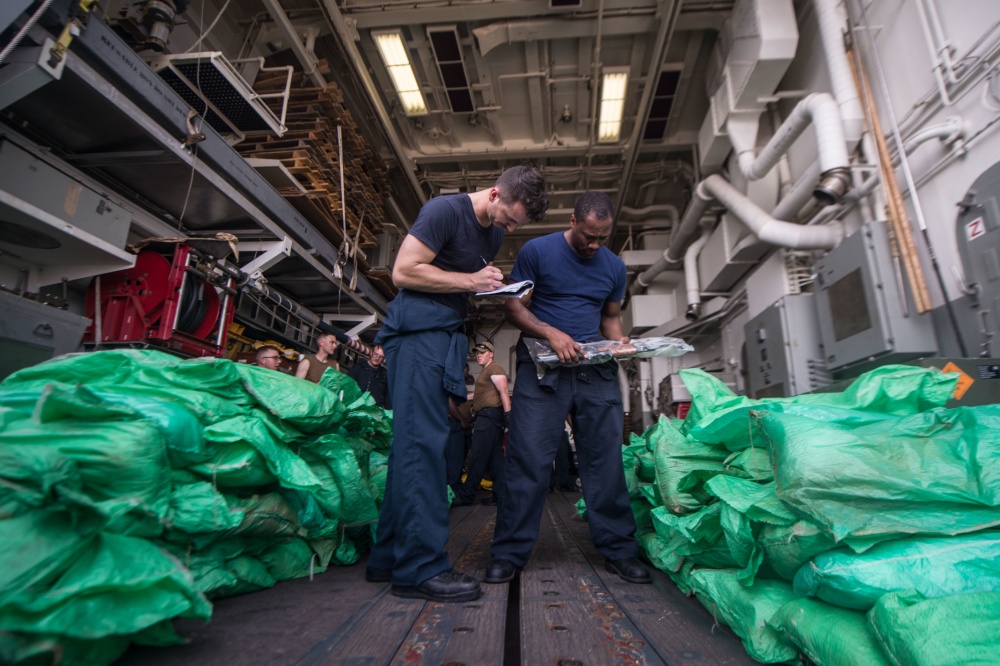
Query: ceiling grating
{"x":448,"y":53}
{"x":662,"y":104}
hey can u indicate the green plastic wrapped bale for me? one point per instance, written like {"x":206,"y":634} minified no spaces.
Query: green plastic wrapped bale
{"x":788,"y":547}
{"x":209,"y":387}
{"x":182,"y":432}
{"x":34,"y":477}
{"x":116,"y":585}
{"x":933,"y":566}
{"x":746,"y":610}
{"x":745,"y":506}
{"x":198,"y":508}
{"x":708,"y":396}
{"x":960,"y":629}
{"x":308,"y":407}
{"x":676,"y":458}
{"x":36,"y":547}
{"x":234,"y":442}
{"x":930,"y":473}
{"x":121,"y":458}
{"x":752,"y":463}
{"x":697,"y":537}
{"x":657,"y":550}
{"x":883,"y":393}
{"x":291,"y":559}
{"x":828,"y":635}
{"x":344,"y":493}
{"x":22,"y":649}
{"x":268,"y":515}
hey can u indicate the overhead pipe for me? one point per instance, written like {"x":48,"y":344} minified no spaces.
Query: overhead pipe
{"x":691,"y":280}
{"x":938,"y":48}
{"x":656,"y":209}
{"x":797,"y":197}
{"x":679,"y":238}
{"x":766,"y":228}
{"x":832,"y":18}
{"x":950,"y":131}
{"x":819,"y":109}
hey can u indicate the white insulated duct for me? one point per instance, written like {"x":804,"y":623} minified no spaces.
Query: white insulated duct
{"x":818,"y":109}
{"x":764,"y":40}
{"x":832,"y":17}
{"x":763,"y":225}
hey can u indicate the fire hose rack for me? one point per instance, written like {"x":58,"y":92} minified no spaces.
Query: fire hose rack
{"x":174,"y":297}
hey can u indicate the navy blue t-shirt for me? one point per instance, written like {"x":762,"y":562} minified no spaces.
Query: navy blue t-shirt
{"x":448,"y":225}
{"x":570,"y":291}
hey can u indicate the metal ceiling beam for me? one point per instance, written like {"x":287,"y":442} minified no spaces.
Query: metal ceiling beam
{"x":347,"y":37}
{"x":498,"y":34}
{"x":306,"y":57}
{"x":389,"y":14}
{"x":507,"y":153}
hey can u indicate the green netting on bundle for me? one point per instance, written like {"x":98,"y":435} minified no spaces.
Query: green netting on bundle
{"x":135,"y":485}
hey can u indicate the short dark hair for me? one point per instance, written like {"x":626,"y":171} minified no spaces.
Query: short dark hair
{"x":263,"y":349}
{"x":524,"y":184}
{"x":593,"y":203}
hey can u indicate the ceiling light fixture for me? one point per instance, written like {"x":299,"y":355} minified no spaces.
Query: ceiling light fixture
{"x":612,"y":105}
{"x":393,"y":52}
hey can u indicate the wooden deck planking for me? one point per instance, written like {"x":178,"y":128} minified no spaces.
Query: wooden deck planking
{"x":678,"y":628}
{"x":572,"y":613}
{"x":568,"y":614}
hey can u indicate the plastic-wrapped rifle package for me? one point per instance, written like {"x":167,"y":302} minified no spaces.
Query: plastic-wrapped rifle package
{"x":603,"y":351}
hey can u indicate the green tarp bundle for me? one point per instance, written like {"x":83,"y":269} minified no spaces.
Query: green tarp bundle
{"x":877,"y":502}
{"x":134,"y":486}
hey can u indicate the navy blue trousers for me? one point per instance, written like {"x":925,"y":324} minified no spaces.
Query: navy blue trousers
{"x":592,"y":396}
{"x":413,"y":523}
{"x":454,"y":454}
{"x":486,"y":453}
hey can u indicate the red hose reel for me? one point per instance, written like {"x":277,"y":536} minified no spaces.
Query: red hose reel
{"x":168,"y":300}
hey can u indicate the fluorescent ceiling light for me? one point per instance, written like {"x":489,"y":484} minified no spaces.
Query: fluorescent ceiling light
{"x":612,"y":105}
{"x":390,"y":46}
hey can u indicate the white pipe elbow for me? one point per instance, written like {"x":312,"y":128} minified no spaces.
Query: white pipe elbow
{"x":691,"y":280}
{"x":768,"y":229}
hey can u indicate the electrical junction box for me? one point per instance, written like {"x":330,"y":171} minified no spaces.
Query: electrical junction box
{"x":784,"y":352}
{"x":978,"y":239}
{"x":866,"y":318}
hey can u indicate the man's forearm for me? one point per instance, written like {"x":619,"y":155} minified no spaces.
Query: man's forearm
{"x":430,"y":278}
{"x":525,"y":319}
{"x":611,"y":328}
